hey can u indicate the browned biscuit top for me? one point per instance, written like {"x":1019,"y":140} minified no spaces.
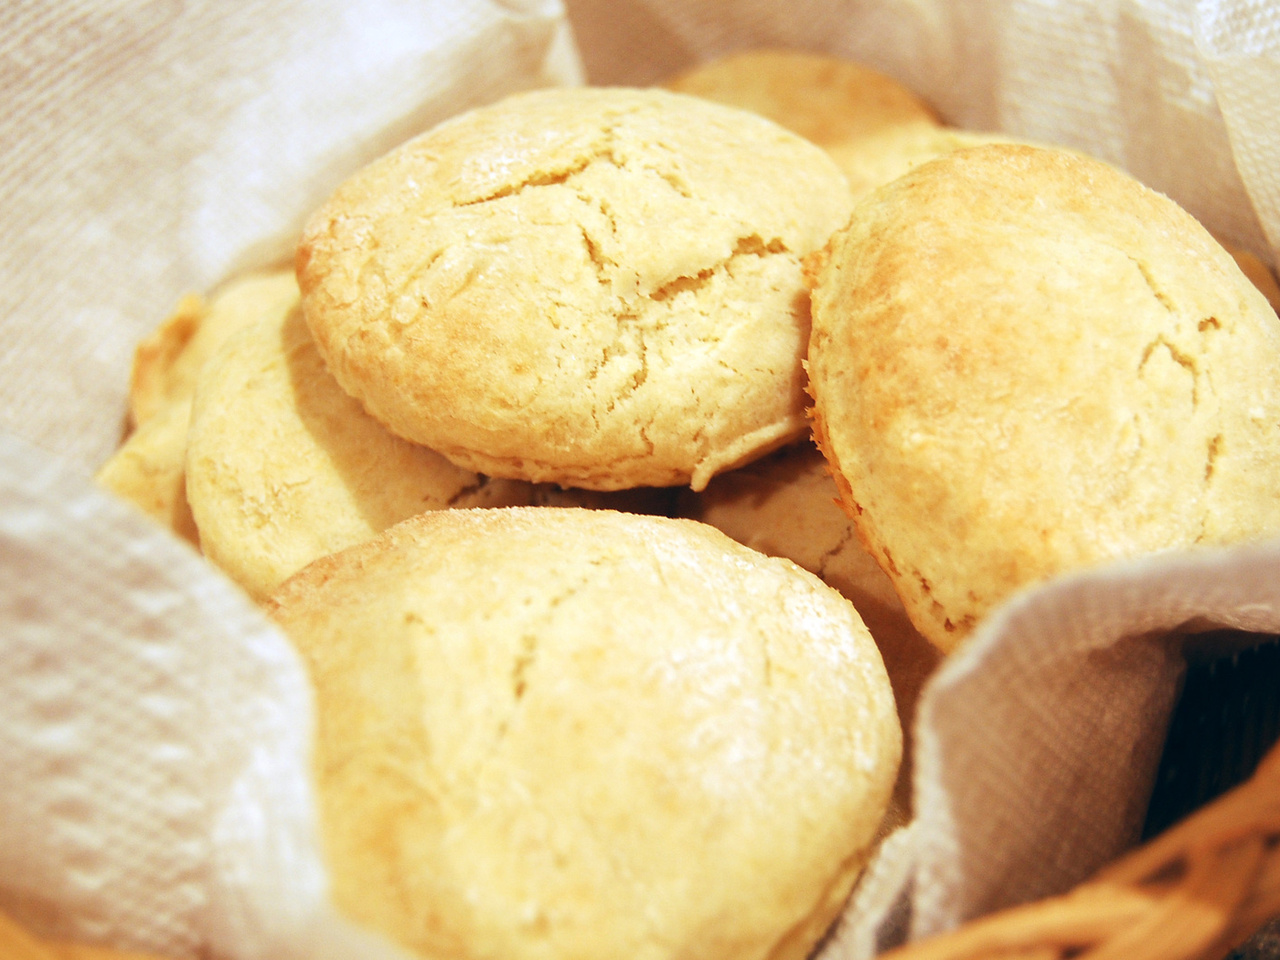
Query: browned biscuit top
{"x":559,"y":732}
{"x":596,"y":287}
{"x":1024,"y":362}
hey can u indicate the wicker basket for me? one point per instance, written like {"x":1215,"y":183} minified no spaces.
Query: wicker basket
{"x":1193,"y":893}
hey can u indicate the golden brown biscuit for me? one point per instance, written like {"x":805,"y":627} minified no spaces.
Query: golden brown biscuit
{"x":881,"y":158}
{"x":1024,"y":362}
{"x":851,"y":111}
{"x":549,"y":732}
{"x":873,"y":127}
{"x":283,"y":467}
{"x":787,"y":505}
{"x":599,"y":288}
{"x":152,"y":383}
{"x":167,"y":363}
{"x":149,"y":469}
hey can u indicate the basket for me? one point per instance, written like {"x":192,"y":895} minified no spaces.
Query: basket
{"x":1192,"y":893}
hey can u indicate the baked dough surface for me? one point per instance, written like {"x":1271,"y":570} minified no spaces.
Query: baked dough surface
{"x":149,"y":468}
{"x":787,"y":505}
{"x":1024,"y":362}
{"x":565,"y":733}
{"x":872,"y":126}
{"x":283,"y":467}
{"x":595,"y":287}
{"x":857,"y":114}
{"x":167,"y":363}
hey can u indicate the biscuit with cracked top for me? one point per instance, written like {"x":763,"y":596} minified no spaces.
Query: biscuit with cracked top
{"x":661,"y":745}
{"x":283,"y":467}
{"x":167,"y":363}
{"x":599,"y":288}
{"x":1024,"y":362}
{"x":850,"y":110}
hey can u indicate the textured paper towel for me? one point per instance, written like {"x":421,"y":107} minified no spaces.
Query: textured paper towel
{"x":153,"y":739}
{"x":152,"y":727}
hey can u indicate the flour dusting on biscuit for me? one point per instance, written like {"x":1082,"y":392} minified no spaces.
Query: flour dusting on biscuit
{"x":557,"y":732}
{"x":595,"y":287}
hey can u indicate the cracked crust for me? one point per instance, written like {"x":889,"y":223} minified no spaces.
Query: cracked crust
{"x":595,"y":287}
{"x":283,"y":467}
{"x":662,"y":745}
{"x":1038,"y":365}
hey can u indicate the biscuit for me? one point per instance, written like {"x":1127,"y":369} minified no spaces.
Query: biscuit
{"x":153,"y":385}
{"x":837,"y":104}
{"x":874,"y":127}
{"x":787,"y":505}
{"x":1024,"y":362}
{"x":149,"y":469}
{"x":283,"y":467}
{"x":599,"y":288}
{"x":661,"y":745}
{"x":167,"y":363}
{"x":881,"y":158}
